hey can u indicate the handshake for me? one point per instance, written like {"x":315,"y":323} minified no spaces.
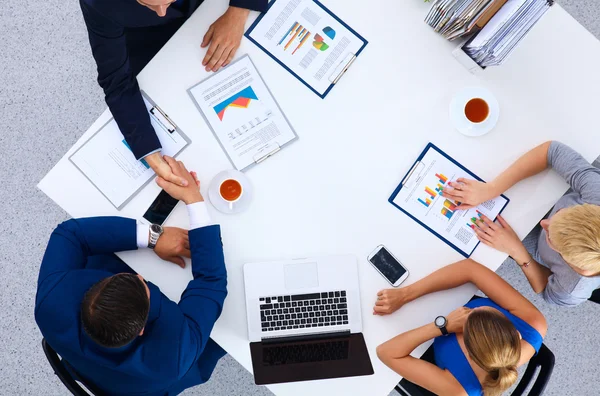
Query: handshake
{"x":175,"y":179}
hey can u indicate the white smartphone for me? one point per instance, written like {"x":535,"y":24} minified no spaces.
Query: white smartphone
{"x":388,"y":266}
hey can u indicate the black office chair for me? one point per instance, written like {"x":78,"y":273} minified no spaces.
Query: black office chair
{"x":595,"y":296}
{"x":544,"y":360}
{"x":59,"y":367}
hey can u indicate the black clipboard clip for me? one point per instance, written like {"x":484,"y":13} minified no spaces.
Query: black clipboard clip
{"x":163,"y":119}
{"x":342,"y":68}
{"x":260,"y":157}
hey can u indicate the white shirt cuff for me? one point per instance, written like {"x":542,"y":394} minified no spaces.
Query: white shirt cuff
{"x":143,"y":230}
{"x":199,"y":216}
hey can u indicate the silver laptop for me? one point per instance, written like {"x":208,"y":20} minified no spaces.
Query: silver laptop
{"x":304,"y":319}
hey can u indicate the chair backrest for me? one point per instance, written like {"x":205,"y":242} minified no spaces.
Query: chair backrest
{"x":545,"y":361}
{"x":58,"y":365}
{"x":595,"y":296}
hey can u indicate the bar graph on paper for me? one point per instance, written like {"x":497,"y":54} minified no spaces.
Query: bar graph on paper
{"x":296,"y":34}
{"x":448,"y":209}
{"x":433,"y":191}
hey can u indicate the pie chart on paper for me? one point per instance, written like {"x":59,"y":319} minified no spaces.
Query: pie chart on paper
{"x":329,"y":32}
{"x":319,"y":42}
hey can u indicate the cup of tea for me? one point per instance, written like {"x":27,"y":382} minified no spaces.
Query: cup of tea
{"x":231,"y":191}
{"x":474,"y":111}
{"x":477,"y":110}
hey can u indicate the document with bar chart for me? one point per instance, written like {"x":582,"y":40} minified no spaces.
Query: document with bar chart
{"x":242,"y":113}
{"x":308,"y":40}
{"x":419,"y":195}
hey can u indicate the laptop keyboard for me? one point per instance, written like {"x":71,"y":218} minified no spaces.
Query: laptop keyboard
{"x":305,"y":353}
{"x":303,"y":310}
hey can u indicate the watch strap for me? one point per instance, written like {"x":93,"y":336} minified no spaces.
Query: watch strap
{"x":442,"y":328}
{"x":153,"y":238}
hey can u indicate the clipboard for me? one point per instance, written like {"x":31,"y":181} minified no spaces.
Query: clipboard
{"x":163,"y":120}
{"x":265,"y":152}
{"x":415,"y":170}
{"x":340,"y":69}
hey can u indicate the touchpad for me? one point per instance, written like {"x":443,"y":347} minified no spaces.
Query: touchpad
{"x":301,"y":275}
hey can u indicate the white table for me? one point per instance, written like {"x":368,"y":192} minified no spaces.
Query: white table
{"x":327,"y":193}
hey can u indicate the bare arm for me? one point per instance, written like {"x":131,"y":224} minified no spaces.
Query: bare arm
{"x":503,"y":294}
{"x":501,"y":236}
{"x":536,"y":274}
{"x":471,"y":193}
{"x":529,"y":164}
{"x":458,"y":274}
{"x":395,"y":354}
{"x":449,"y":277}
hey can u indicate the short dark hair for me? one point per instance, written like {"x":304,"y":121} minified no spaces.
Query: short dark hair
{"x":115,"y":310}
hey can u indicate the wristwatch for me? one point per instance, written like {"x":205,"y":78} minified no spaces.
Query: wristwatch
{"x":440,"y":323}
{"x":156,"y":231}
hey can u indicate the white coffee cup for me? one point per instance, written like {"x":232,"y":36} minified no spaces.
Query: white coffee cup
{"x":231,"y":191}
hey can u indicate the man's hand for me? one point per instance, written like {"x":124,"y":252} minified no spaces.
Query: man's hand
{"x":469,"y":193}
{"x":457,"y":319}
{"x":173,"y":245}
{"x":390,"y":300}
{"x":162,"y":169}
{"x":224,"y":36}
{"x":188,"y":194}
{"x":499,"y":236}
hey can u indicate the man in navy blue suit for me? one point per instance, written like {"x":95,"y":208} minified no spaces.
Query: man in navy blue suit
{"x":124,"y":36}
{"x":117,"y":331}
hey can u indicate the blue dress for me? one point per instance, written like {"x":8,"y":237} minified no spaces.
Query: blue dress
{"x":448,"y":354}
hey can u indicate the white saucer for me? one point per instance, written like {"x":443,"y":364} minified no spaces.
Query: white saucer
{"x":462,"y":123}
{"x":219,"y":203}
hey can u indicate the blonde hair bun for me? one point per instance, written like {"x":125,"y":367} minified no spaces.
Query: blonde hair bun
{"x":494,"y":344}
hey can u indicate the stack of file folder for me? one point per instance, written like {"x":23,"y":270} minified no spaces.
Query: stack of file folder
{"x":499,"y":25}
{"x":505,"y":30}
{"x":458,"y":18}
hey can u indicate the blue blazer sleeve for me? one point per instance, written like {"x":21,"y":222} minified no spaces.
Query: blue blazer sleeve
{"x":74,"y":240}
{"x":256,"y":5}
{"x":121,"y":90}
{"x":202,"y":301}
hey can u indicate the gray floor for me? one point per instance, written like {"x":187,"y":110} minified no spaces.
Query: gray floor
{"x":48,"y":97}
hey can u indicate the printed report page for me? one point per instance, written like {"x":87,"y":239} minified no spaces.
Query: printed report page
{"x":308,"y":40}
{"x":242,"y":113}
{"x":107,"y":161}
{"x":422,"y":198}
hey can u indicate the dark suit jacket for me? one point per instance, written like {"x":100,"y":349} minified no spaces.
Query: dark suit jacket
{"x":175,"y":351}
{"x":110,"y":25}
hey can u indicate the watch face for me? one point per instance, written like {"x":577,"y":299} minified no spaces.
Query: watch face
{"x":156,"y":228}
{"x":440,"y":321}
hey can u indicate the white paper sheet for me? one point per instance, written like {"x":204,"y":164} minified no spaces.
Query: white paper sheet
{"x":107,"y":161}
{"x":421,"y":198}
{"x":308,"y":40}
{"x":242,"y":113}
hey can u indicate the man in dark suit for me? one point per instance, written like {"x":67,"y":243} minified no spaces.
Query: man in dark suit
{"x":117,"y":331}
{"x":126,"y":34}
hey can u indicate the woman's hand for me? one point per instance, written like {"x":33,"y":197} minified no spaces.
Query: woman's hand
{"x":457,"y":319}
{"x":390,"y":300}
{"x":499,"y":236}
{"x":469,"y":193}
